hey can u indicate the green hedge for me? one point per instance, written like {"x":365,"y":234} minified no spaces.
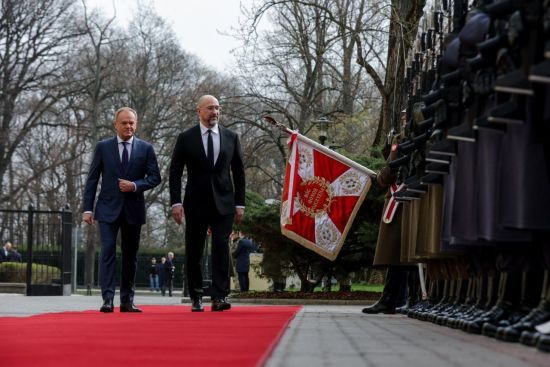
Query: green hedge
{"x":11,"y":272}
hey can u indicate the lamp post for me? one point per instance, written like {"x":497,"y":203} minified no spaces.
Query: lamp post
{"x":323,"y":129}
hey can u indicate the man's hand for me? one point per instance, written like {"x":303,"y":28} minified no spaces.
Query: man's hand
{"x":178,"y":214}
{"x":125,"y":185}
{"x":239,"y":214}
{"x":88,"y":218}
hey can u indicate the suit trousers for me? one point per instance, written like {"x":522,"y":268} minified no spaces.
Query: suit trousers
{"x":196,"y":227}
{"x":130,"y":235}
{"x":244,"y":281}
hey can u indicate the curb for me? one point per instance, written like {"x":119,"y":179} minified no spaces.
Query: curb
{"x":291,"y":301}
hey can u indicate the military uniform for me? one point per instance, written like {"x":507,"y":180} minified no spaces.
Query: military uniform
{"x":388,"y":245}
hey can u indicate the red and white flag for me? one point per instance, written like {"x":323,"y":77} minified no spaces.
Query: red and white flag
{"x":322,"y":194}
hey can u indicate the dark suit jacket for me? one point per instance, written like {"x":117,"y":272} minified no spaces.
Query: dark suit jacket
{"x":242,"y":254}
{"x":142,"y":169}
{"x":202,"y":179}
{"x":169,"y":269}
{"x":3,"y":255}
{"x":15,"y":256}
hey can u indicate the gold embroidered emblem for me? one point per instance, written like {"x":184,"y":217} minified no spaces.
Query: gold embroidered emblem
{"x":314,"y":196}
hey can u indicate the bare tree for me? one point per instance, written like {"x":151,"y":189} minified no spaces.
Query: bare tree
{"x":34,"y":35}
{"x":90,"y":114}
{"x":378,"y":33}
{"x":403,"y":25}
{"x":302,"y":69}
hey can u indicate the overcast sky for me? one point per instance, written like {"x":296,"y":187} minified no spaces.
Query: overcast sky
{"x":197,"y":24}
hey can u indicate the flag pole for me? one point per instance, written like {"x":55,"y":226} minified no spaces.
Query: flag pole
{"x":320,"y":147}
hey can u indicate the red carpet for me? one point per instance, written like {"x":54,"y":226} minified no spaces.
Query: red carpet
{"x":160,"y":336}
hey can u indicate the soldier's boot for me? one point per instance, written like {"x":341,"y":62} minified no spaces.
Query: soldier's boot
{"x":395,"y":279}
{"x":530,"y":336}
{"x":536,"y":316}
{"x":413,"y":283}
{"x":509,"y":284}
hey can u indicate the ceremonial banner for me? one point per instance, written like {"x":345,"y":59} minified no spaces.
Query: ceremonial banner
{"x":322,"y":194}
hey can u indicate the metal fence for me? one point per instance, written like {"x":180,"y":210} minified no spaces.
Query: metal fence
{"x":43,"y":238}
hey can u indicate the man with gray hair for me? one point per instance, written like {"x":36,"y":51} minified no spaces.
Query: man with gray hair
{"x":127,"y":167}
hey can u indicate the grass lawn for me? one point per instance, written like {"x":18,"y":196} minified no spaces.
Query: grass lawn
{"x":354,"y":287}
{"x":367,"y":287}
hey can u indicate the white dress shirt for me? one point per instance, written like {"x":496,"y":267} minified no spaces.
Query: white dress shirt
{"x":128,"y":147}
{"x":215,"y":140}
{"x":216,"y":143}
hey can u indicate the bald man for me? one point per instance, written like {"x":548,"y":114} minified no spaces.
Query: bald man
{"x":214,"y":198}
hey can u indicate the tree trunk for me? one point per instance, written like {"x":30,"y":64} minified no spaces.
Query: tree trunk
{"x":404,"y":20}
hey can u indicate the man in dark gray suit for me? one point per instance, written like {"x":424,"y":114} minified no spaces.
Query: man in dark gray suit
{"x":127,"y":167}
{"x":214,"y":198}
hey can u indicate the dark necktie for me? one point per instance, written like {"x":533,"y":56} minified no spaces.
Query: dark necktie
{"x":210,"y":148}
{"x":124,"y":156}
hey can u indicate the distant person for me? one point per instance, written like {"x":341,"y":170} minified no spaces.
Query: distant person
{"x":162,"y":275}
{"x":127,"y":167}
{"x":5,"y":251}
{"x":242,"y":258}
{"x":169,"y":273}
{"x":154,"y":275}
{"x":14,"y":255}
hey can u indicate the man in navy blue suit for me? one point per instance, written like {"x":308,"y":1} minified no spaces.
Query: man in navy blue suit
{"x":214,"y":198}
{"x":242,"y":261}
{"x":127,"y":167}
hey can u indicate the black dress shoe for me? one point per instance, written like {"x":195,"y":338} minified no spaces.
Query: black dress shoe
{"x":544,"y":343}
{"x":513,"y":332}
{"x":493,"y":316}
{"x":530,"y":338}
{"x":107,"y":306}
{"x":197,"y":305}
{"x":220,"y":304}
{"x":129,"y":307}
{"x":379,"y":307}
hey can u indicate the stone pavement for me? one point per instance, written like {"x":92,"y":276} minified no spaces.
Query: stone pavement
{"x":342,"y":336}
